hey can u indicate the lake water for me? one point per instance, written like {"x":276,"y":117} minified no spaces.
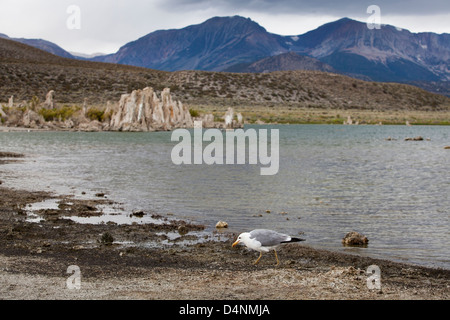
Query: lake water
{"x":332,"y":179}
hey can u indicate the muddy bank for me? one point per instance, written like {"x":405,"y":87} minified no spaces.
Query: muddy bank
{"x":157,"y":261}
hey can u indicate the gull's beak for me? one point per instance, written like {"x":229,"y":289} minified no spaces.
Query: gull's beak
{"x":235,"y":244}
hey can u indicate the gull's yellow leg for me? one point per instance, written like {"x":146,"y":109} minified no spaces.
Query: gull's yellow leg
{"x":276,"y":256}
{"x":260,"y":255}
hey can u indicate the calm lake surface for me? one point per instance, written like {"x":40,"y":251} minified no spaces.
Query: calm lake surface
{"x":332,"y":179}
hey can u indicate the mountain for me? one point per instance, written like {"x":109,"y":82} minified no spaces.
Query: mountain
{"x":387,"y":54}
{"x":213,"y":45}
{"x":43,"y":45}
{"x":233,"y":43}
{"x":283,"y":62}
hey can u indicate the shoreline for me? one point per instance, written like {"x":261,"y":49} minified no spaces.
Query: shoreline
{"x":252,"y":115}
{"x":34,"y":258}
{"x":6,"y":129}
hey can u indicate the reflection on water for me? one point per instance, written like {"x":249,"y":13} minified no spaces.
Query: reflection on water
{"x":332,"y":180}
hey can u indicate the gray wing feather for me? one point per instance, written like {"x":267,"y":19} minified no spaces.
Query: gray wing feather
{"x":269,"y":238}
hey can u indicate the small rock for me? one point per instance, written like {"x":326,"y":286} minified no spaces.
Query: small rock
{"x":447,"y":147}
{"x":268,"y":211}
{"x":107,"y":239}
{"x":100,"y":195}
{"x":139,"y":213}
{"x":419,"y":138}
{"x":221,"y":225}
{"x":183,"y":230}
{"x":355,"y":239}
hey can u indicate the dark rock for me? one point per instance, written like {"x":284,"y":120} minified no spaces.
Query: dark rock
{"x":139,"y":213}
{"x":419,"y":138}
{"x":107,"y":239}
{"x":355,"y":239}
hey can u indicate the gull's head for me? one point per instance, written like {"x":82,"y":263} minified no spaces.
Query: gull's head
{"x":243,"y":237}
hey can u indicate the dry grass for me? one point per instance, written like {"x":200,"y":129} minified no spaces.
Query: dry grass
{"x":288,"y":115}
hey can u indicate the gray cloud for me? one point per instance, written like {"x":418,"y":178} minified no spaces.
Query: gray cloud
{"x":325,"y":7}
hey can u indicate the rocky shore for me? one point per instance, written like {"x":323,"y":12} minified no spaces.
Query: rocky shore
{"x":174,"y":259}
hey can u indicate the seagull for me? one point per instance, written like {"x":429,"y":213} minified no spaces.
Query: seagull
{"x":264,"y":240}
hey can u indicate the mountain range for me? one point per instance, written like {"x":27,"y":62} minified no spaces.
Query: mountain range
{"x":237,"y":44}
{"x":348,"y":46}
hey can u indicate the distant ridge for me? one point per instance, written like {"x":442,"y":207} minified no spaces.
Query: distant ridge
{"x":43,"y":45}
{"x":283,"y":62}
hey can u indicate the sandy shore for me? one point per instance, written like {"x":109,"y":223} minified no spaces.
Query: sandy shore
{"x":34,"y":259}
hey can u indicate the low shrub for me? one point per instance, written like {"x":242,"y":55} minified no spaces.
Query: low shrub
{"x":194,"y":113}
{"x":62,"y":113}
{"x":95,"y":114}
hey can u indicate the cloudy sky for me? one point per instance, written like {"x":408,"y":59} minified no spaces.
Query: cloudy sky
{"x":91,"y":26}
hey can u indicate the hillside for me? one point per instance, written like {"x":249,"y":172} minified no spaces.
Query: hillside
{"x":283,"y":62}
{"x":26,"y":72}
{"x":312,"y":89}
{"x":43,"y":45}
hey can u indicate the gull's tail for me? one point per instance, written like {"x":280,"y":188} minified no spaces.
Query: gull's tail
{"x":294,"y":240}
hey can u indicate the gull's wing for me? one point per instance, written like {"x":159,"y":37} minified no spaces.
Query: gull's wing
{"x":269,"y":238}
